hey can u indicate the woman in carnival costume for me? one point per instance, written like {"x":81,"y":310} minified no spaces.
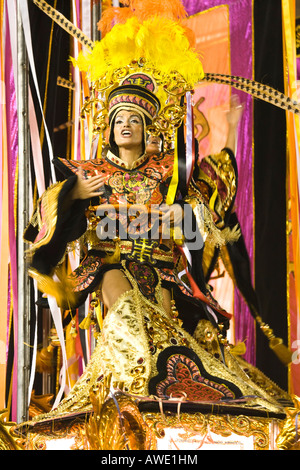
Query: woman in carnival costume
{"x":141,"y":229}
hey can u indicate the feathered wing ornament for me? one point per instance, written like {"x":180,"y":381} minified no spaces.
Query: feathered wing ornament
{"x":141,"y":9}
{"x":114,"y":16}
{"x":161,"y":42}
{"x":60,"y":289}
{"x":111,"y":17}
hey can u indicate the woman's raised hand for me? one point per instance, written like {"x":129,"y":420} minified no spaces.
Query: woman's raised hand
{"x":235,"y":111}
{"x":233,"y":117}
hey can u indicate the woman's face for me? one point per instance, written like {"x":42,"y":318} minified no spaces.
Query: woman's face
{"x":154,"y":144}
{"x":128,"y":129}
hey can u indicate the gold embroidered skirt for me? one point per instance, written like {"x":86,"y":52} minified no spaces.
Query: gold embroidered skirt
{"x":150,"y":354}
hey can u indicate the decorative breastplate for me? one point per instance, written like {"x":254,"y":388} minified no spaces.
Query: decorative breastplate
{"x":144,"y":184}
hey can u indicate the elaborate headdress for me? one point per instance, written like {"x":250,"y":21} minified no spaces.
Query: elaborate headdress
{"x":137,"y":93}
{"x":146,"y":9}
{"x":146,"y":57}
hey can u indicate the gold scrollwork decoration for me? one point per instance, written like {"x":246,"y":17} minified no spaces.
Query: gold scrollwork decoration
{"x":198,"y":424}
{"x":243,"y":426}
{"x":289,"y":439}
{"x":172,"y":86}
{"x":116,"y":423}
{"x":8,"y":439}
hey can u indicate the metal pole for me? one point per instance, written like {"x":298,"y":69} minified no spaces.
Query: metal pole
{"x":23,"y":367}
{"x":96,"y":16}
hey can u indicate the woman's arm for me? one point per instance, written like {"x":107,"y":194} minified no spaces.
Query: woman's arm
{"x":59,"y":218}
{"x":233,"y":118}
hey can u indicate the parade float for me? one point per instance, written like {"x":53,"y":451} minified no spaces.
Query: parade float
{"x":225,"y":385}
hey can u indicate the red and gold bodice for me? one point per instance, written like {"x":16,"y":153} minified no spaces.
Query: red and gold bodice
{"x":145,"y":182}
